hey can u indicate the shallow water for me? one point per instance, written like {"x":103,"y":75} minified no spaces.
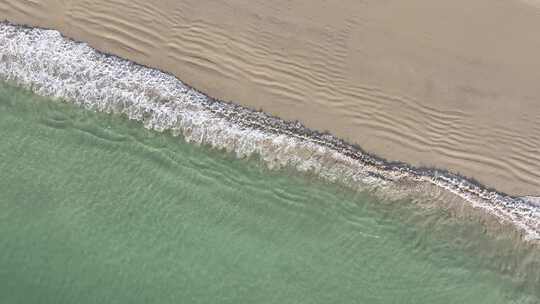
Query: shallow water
{"x":96,"y":209}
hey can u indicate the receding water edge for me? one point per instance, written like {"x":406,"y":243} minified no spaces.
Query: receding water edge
{"x":51,"y":65}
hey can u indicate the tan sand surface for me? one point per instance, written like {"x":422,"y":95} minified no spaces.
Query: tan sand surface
{"x":451,"y":84}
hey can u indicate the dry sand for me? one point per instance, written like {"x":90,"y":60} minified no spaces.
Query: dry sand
{"x":451,"y":84}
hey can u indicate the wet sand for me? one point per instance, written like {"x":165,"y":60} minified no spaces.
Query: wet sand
{"x":453,"y":85}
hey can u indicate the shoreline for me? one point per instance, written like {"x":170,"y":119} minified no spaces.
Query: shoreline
{"x":162,"y":102}
{"x":413,"y":88}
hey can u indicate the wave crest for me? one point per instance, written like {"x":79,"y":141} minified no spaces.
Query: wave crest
{"x":51,"y":65}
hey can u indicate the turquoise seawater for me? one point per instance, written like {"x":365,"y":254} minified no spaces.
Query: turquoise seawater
{"x":96,"y":209}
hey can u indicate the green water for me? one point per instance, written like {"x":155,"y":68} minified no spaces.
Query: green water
{"x":95,"y":209}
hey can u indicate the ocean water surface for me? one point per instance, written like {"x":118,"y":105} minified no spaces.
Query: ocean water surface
{"x":97,"y":209}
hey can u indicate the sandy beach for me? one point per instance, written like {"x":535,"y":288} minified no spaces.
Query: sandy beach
{"x":451,"y":84}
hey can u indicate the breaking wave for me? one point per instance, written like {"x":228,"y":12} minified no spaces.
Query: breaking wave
{"x":51,"y":65}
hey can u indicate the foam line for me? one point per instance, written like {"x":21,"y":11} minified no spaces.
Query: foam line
{"x":51,"y":65}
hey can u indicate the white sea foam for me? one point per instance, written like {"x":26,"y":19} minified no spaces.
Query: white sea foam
{"x":54,"y":66}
